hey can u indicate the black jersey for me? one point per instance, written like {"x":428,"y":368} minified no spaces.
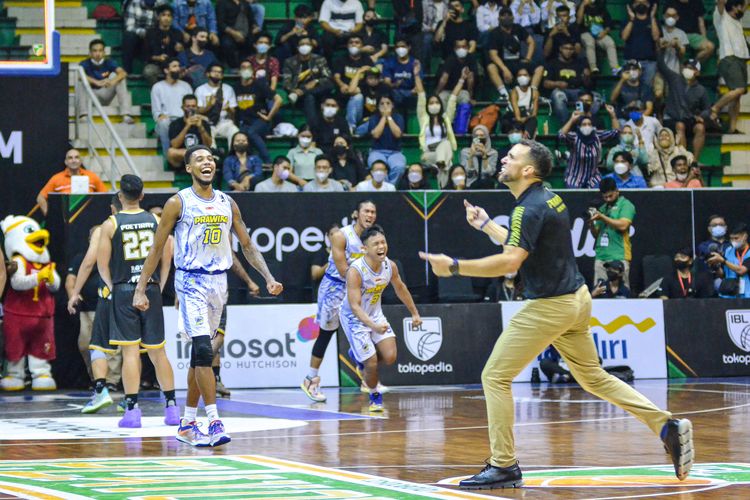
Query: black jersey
{"x":131,"y":242}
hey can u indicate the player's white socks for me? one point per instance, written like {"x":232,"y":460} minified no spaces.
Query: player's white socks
{"x":212,"y":413}
{"x":190,"y":414}
{"x":313,"y":373}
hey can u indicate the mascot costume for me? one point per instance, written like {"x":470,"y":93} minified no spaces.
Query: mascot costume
{"x":29,"y":305}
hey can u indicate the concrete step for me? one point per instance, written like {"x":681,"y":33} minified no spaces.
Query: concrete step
{"x":134,"y":131}
{"x":735,"y":169}
{"x":62,"y":14}
{"x":741,"y":183}
{"x":59,"y":23}
{"x":151,"y":168}
{"x":131,"y":143}
{"x":740,"y":159}
{"x":735,"y":139}
{"x":109,"y":110}
{"x":69,"y":44}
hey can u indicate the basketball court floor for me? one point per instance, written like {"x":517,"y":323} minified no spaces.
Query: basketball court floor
{"x":571,"y":446}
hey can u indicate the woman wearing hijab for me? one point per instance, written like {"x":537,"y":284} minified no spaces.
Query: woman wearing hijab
{"x":479,"y":160}
{"x":660,"y":158}
{"x":585,"y":143}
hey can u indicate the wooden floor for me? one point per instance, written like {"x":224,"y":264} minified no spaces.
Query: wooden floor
{"x":428,"y":435}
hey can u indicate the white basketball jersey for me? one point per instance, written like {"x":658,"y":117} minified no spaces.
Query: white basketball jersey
{"x":203,"y":241}
{"x":372,"y":286}
{"x":354,"y":250}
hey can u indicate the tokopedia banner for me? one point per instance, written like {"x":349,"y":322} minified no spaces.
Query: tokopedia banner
{"x":625,"y":332}
{"x":264,"y":346}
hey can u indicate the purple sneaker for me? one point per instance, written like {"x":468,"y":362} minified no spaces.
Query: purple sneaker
{"x":172,"y":415}
{"x":190,"y":433}
{"x":131,"y":419}
{"x":216,"y":433}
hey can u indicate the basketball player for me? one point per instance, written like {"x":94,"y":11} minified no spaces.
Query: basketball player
{"x":125,"y":240}
{"x":370,"y":336}
{"x":202,"y":219}
{"x":346,"y":246}
{"x":559,"y":313}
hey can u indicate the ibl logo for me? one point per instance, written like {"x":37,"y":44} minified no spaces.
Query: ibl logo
{"x":13,"y":146}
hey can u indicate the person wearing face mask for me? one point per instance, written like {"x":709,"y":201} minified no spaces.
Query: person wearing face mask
{"x":623,"y":173}
{"x":368,"y":86}
{"x":190,"y":15}
{"x":302,"y":156}
{"x":398,"y":73}
{"x":162,"y":42}
{"x":630,"y":93}
{"x":660,"y":158}
{"x":218,"y":102}
{"x":685,"y":175}
{"x":253,"y":115}
{"x":329,"y":124}
{"x":197,"y":58}
{"x":107,"y":80}
{"x":240,"y":169}
{"x":166,"y":100}
{"x":414,"y":180}
{"x":596,"y":23}
{"x":345,"y":70}
{"x":278,"y":183}
{"x":287,"y":37}
{"x":480,"y":159}
{"x":386,"y":128}
{"x":306,"y":78}
{"x":462,"y":65}
{"x":453,"y":28}
{"x":323,"y":182}
{"x":524,"y":103}
{"x":348,"y":166}
{"x":674,"y":41}
{"x":566,"y":77}
{"x":630,"y":142}
{"x":436,"y":138}
{"x":641,"y":34}
{"x":236,"y":24}
{"x":610,"y":226}
{"x":457,"y":179}
{"x":687,"y":106}
{"x":683,"y":283}
{"x":374,"y":40}
{"x":733,"y":56}
{"x":377,"y":181}
{"x":646,"y":127}
{"x":585,"y":145}
{"x":339,"y":19}
{"x":735,"y":265}
{"x":264,"y":66}
{"x":718,"y":241}
{"x":613,"y":287}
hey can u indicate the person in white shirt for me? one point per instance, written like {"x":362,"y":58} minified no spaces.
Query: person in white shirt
{"x":339,"y":19}
{"x":322,"y":182}
{"x":376,"y":182}
{"x":487,"y":20}
{"x":220,"y":115}
{"x":278,"y":183}
{"x":733,"y":56}
{"x":166,"y":100}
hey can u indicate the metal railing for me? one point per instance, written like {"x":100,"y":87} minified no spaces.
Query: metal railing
{"x":114,"y":141}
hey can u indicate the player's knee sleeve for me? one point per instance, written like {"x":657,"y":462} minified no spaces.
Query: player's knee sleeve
{"x":204,"y":354}
{"x":321,"y":343}
{"x":97,"y":354}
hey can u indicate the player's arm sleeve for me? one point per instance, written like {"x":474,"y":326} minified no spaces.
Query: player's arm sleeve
{"x":525,"y":225}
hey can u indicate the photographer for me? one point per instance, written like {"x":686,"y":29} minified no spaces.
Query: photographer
{"x":735,"y":265}
{"x":716,"y":243}
{"x":613,"y":287}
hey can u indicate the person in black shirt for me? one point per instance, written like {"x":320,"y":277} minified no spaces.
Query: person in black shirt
{"x":347,"y":163}
{"x":640,"y":34}
{"x":452,"y":72}
{"x":566,"y":77}
{"x":237,"y":27}
{"x":366,"y":101}
{"x":163,"y":41}
{"x":505,"y":57}
{"x":683,"y":283}
{"x":287,"y":38}
{"x":329,"y":124}
{"x":614,"y":287}
{"x":455,"y":27}
{"x":185,"y":132}
{"x":374,"y":41}
{"x":564,"y":30}
{"x":253,"y":115}
{"x":539,"y":244}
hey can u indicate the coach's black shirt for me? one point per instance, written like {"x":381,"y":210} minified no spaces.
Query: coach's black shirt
{"x":541,"y":226}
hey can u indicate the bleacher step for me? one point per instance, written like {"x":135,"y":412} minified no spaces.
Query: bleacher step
{"x":69,"y":44}
{"x":151,"y":168}
{"x":133,"y":131}
{"x":62,"y":14}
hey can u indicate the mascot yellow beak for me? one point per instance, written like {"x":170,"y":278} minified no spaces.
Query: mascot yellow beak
{"x":38,"y":240}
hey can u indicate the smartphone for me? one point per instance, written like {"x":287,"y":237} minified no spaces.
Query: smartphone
{"x":579,"y":106}
{"x":592,"y":212}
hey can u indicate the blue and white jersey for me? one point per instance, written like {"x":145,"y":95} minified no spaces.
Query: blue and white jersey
{"x":203,"y":241}
{"x":372,"y":287}
{"x":354,"y":250}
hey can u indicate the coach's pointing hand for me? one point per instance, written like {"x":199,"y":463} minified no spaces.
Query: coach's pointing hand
{"x":140,"y":301}
{"x":440,"y":263}
{"x":274,"y":287}
{"x":475,"y":216}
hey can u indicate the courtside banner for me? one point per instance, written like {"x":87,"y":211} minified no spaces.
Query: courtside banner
{"x":450,"y":347}
{"x":708,"y":338}
{"x":264,"y":346}
{"x":626,"y":332}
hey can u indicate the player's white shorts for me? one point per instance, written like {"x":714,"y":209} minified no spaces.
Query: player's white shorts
{"x":361,"y":337}
{"x":202,"y":298}
{"x":331,"y":295}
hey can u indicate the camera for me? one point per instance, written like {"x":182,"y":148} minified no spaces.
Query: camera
{"x":592,"y":212}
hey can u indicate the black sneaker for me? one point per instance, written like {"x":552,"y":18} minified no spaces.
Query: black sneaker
{"x":494,"y":477}
{"x":677,"y":436}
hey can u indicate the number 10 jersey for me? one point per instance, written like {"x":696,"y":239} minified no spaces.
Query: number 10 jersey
{"x":203,"y":242}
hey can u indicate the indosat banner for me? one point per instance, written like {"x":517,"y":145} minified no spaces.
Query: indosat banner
{"x":625,"y":332}
{"x":264,"y":346}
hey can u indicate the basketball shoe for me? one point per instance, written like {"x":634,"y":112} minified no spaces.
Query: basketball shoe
{"x":376,"y":402}
{"x":677,"y":436}
{"x":311,"y":387}
{"x":131,"y":419}
{"x":382,"y":389}
{"x":216,"y":433}
{"x":98,"y":401}
{"x":190,"y":433}
{"x":172,"y":415}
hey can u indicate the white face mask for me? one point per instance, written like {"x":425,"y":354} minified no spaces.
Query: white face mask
{"x":330,"y":111}
{"x":304,"y":49}
{"x":402,"y":51}
{"x":681,"y":177}
{"x":718,"y":231}
{"x":284,"y":174}
{"x":378,"y":176}
{"x":414,"y":177}
{"x":461,"y":53}
{"x":523,"y":80}
{"x":670,"y":21}
{"x":621,"y":168}
{"x":262,"y":48}
{"x":433,"y":109}
{"x":305,"y":141}
{"x":321,"y":176}
{"x":354,"y":50}
{"x":459,"y":180}
{"x":634,"y":75}
{"x":688,"y":73}
{"x":515,"y":137}
{"x":246,"y":74}
{"x":586,"y":129}
{"x":737,"y":245}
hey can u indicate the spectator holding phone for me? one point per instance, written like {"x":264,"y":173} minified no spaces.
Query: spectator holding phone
{"x":614,"y":286}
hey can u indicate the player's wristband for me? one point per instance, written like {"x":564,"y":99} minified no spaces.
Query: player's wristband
{"x":481,"y":228}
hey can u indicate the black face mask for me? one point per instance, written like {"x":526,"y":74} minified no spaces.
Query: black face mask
{"x":241,"y":148}
{"x":340,"y":150}
{"x":370,"y":22}
{"x":201,"y":44}
{"x":506,"y":22}
{"x":174,"y":75}
{"x":586,"y":107}
{"x":214,"y":80}
{"x":641,"y":9}
{"x":613,"y":275}
{"x":681,"y":264}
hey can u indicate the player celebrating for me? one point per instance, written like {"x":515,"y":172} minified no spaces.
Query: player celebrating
{"x":367,"y":329}
{"x":346,"y":246}
{"x":125,"y":240}
{"x":202,"y":219}
{"x":540,"y":245}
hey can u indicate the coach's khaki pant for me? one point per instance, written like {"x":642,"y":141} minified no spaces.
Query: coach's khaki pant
{"x":563,"y":322}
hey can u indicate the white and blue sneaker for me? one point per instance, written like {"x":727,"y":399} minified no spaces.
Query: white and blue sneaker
{"x":190,"y":433}
{"x":216,"y":433}
{"x":376,"y":402}
{"x":98,"y":401}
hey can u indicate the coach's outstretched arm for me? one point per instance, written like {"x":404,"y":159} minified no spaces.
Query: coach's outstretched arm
{"x":478,"y":219}
{"x":493,"y":266}
{"x":251,"y":252}
{"x":172,"y":211}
